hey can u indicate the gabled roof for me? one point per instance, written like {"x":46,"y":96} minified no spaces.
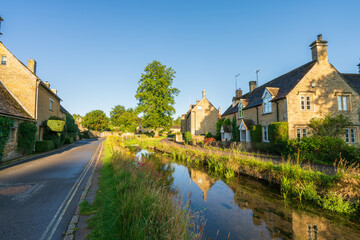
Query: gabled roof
{"x":10,"y":107}
{"x":62,"y":109}
{"x":353,"y":79}
{"x":232,"y":109}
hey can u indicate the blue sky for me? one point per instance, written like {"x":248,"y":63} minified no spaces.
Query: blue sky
{"x":93,"y":52}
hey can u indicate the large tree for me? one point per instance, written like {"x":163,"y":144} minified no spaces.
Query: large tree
{"x":155,"y":96}
{"x":96,"y":120}
{"x":124,"y":119}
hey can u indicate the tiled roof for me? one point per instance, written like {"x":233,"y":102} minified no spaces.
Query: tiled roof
{"x":9,"y":106}
{"x":62,"y":109}
{"x":353,"y":79}
{"x":280,"y":86}
{"x":248,"y":123}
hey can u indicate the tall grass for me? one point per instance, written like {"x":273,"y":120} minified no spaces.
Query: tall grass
{"x":131,"y":203}
{"x":339,"y":193}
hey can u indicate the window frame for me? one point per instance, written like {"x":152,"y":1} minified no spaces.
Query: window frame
{"x":265,"y":133}
{"x":51,"y":103}
{"x":340,"y":101}
{"x":2,"y":61}
{"x":350,"y":136}
{"x":301,"y":133}
{"x":305,"y":102}
{"x":240,"y":111}
{"x":267,"y":104}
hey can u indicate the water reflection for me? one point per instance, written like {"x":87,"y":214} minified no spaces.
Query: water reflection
{"x":247,"y":209}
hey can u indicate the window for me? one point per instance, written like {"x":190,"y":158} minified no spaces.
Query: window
{"x":3,"y":60}
{"x":267,"y":103}
{"x":266,"y":134}
{"x":343,"y":103}
{"x":241,"y":112}
{"x":305,"y":103}
{"x":301,"y":133}
{"x":350,"y":135}
{"x":199,"y":108}
{"x":51,"y":104}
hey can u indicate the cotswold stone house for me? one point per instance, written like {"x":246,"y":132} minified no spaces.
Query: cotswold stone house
{"x":314,"y":89}
{"x":29,"y":91}
{"x":201,"y":118}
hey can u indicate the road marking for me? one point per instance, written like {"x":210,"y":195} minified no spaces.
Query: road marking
{"x":69,"y":197}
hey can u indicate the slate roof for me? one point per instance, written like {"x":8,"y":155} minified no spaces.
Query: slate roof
{"x":353,"y":79}
{"x":9,"y":106}
{"x":62,"y":109}
{"x":285,"y":83}
{"x":248,"y":123}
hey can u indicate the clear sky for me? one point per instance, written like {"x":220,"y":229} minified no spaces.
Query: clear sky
{"x":93,"y":52}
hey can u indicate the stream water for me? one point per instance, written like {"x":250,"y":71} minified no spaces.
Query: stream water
{"x":243,"y":208}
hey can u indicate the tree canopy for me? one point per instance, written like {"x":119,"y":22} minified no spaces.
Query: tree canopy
{"x":177,"y":121}
{"x":126,"y":120}
{"x":329,"y":126}
{"x":155,"y":96}
{"x":96,"y":120}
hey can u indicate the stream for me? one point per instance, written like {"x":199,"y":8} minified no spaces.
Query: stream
{"x":243,"y":208}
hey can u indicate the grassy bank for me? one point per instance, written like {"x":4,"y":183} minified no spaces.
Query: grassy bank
{"x":131,"y":202}
{"x":338,"y":193}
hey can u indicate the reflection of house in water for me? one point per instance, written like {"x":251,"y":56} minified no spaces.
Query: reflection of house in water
{"x":203,"y":180}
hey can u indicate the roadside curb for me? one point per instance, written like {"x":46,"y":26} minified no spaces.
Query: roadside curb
{"x":69,"y":235}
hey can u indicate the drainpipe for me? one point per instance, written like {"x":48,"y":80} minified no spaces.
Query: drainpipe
{"x":277,"y":111}
{"x":257,"y":115}
{"x":36,"y":104}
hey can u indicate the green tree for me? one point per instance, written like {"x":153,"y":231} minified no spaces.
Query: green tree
{"x":329,"y":126}
{"x":177,"y":121}
{"x":155,"y":96}
{"x":96,"y":120}
{"x":125,"y":119}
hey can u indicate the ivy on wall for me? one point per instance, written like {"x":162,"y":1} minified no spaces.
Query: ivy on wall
{"x":26,"y":137}
{"x":5,"y":126}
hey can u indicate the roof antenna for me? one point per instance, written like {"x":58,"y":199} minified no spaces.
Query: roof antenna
{"x":0,"y":24}
{"x":236,"y":81}
{"x":257,"y":77}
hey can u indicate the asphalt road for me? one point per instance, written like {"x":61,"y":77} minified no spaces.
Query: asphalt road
{"x":39,"y":197}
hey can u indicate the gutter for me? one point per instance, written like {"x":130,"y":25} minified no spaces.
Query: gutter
{"x":17,"y":117}
{"x":257,"y":115}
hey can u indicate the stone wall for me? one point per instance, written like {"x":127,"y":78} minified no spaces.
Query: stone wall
{"x":10,"y":151}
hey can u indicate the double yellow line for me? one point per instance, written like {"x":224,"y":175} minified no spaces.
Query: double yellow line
{"x":55,"y":221}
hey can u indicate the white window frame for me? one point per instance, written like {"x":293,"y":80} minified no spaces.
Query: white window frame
{"x":350,"y":135}
{"x":265,"y":133}
{"x":301,"y":133}
{"x":267,"y":105}
{"x":305,"y":102}
{"x":241,"y":111}
{"x":343,"y":102}
{"x":199,"y":108}
{"x":51,"y":103}
{"x":3,"y":60}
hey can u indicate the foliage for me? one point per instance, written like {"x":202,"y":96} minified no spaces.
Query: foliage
{"x":208,"y":135}
{"x":70,"y":126}
{"x":125,"y":119}
{"x":84,"y":135}
{"x":329,"y":126}
{"x":26,"y":137}
{"x":5,"y":127}
{"x":76,"y":116}
{"x":155,"y":96}
{"x":96,"y":120}
{"x":55,"y":125}
{"x":44,"y":146}
{"x":256,"y":133}
{"x":69,"y":140}
{"x":221,"y":122}
{"x":209,"y":141}
{"x":187,"y":138}
{"x":235,"y":130}
{"x":278,"y":137}
{"x":177,"y":121}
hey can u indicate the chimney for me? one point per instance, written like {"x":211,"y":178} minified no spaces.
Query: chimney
{"x":319,"y":49}
{"x":54,"y":91}
{"x":197,"y":101}
{"x":204,"y":94}
{"x":359,"y":67}
{"x":32,"y":65}
{"x":252,"y":85}
{"x":238,"y":93}
{"x":47,"y":84}
{"x":219,"y":111}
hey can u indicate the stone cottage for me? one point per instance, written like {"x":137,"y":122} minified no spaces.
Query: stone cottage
{"x":201,"y":117}
{"x":36,"y":97}
{"x":314,"y":89}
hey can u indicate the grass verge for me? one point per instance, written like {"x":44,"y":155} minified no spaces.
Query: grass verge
{"x":131,"y":203}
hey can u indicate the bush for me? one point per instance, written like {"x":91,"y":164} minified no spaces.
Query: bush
{"x":55,"y":125}
{"x":84,"y":135}
{"x":26,"y":137}
{"x":69,"y":140}
{"x":44,"y":146}
{"x":278,"y":136}
{"x":256,"y":133}
{"x":5,"y":126}
{"x":187,"y":138}
{"x":209,"y":135}
{"x":209,"y":141}
{"x":54,"y":137}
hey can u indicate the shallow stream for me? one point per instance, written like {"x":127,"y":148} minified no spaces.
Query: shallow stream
{"x":244,"y":208}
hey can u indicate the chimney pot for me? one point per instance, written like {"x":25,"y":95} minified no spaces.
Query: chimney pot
{"x":54,"y":91}
{"x":32,"y":65}
{"x":252,"y":85}
{"x":204,"y":94}
{"x":238,"y":92}
{"x":319,"y":37}
{"x":47,"y":84}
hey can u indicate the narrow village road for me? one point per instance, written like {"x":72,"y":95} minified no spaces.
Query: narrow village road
{"x":38,"y":198}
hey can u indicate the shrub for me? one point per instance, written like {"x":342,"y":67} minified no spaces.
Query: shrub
{"x":5,"y":126}
{"x":209,"y":141}
{"x":44,"y":146}
{"x":69,"y":140}
{"x":55,"y":125}
{"x":278,"y":136}
{"x":187,"y":138}
{"x":235,"y":130}
{"x":329,"y":126}
{"x":209,"y":135}
{"x":256,"y":133}
{"x":54,"y":137}
{"x":26,"y":137}
{"x":84,"y":135}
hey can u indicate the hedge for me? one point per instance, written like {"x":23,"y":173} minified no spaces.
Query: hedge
{"x":5,"y":126}
{"x":256,"y":133}
{"x":26,"y":137}
{"x":55,"y":125}
{"x":44,"y":146}
{"x":69,"y":140}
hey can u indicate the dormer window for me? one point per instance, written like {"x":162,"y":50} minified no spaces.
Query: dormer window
{"x":3,"y":60}
{"x":267,"y":108}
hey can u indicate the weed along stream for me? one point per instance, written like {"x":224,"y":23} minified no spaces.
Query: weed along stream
{"x":243,"y":208}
